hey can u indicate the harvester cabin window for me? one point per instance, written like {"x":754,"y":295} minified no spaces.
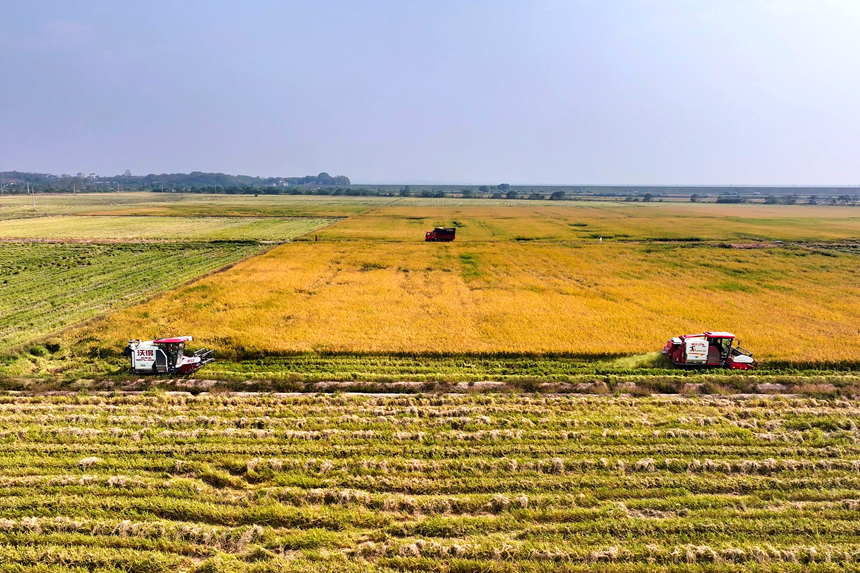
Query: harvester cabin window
{"x":174,"y":352}
{"x":724,"y":344}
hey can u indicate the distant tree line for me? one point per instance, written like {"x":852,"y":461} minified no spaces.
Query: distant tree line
{"x":15,"y":182}
{"x":19,"y":182}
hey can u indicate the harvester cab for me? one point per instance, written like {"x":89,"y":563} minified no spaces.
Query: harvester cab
{"x":165,"y":356}
{"x":708,"y":349}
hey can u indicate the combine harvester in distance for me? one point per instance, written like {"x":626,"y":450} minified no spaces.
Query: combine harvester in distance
{"x":165,"y":356}
{"x":440,"y":234}
{"x":708,"y":350}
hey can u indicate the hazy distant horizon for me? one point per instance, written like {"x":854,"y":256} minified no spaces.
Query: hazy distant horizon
{"x":493,"y":183}
{"x":693,"y":92}
{"x":353,"y":182}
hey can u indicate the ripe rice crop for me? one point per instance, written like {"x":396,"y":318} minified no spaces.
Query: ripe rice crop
{"x":789,"y":304}
{"x":238,"y":482}
{"x":585,"y":221}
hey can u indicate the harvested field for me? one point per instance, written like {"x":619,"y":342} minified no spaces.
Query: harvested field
{"x":114,"y":228}
{"x":185,"y":205}
{"x":445,"y":483}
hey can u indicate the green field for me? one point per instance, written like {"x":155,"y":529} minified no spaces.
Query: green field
{"x":427,"y":483}
{"x":46,"y":287}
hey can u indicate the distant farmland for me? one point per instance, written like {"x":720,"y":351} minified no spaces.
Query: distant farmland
{"x":533,"y":280}
{"x":56,"y":271}
{"x":135,"y":228}
{"x":516,"y":427}
{"x":522,"y":279}
{"x":354,"y":297}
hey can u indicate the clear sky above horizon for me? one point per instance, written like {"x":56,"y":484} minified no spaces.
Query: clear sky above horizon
{"x":543,"y":91}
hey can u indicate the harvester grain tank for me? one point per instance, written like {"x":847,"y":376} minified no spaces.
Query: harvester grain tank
{"x":708,"y":350}
{"x":165,"y":356}
{"x":440,"y":234}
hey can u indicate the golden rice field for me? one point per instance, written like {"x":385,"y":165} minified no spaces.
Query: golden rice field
{"x":586,"y":221}
{"x":788,"y":303}
{"x":522,"y":277}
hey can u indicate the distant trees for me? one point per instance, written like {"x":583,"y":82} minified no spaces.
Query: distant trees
{"x":694,"y":198}
{"x":503,"y":187}
{"x":784,"y":200}
{"x":511,"y":194}
{"x":648,"y":197}
{"x":405,"y":192}
{"x":484,"y":189}
{"x":468,"y":193}
{"x":322,"y":179}
{"x":557,"y":196}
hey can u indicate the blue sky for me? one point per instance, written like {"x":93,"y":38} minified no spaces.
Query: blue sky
{"x":553,"y":92}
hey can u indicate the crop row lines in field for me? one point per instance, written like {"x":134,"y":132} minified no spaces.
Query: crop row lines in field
{"x":117,"y":275}
{"x":124,"y":275}
{"x":511,"y":457}
{"x":512,"y":483}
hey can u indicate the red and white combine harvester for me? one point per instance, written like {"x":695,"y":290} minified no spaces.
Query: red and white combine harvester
{"x":165,"y":356}
{"x":441,"y":234}
{"x":708,"y":350}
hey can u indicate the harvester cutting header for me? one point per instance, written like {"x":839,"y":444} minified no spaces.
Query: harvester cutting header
{"x":708,"y":349}
{"x":165,"y":356}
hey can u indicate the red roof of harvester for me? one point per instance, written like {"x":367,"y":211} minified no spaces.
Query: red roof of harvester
{"x":709,"y":335}
{"x":173,"y":340}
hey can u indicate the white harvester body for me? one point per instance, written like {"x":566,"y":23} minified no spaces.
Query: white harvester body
{"x":165,"y":356}
{"x":708,"y":349}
